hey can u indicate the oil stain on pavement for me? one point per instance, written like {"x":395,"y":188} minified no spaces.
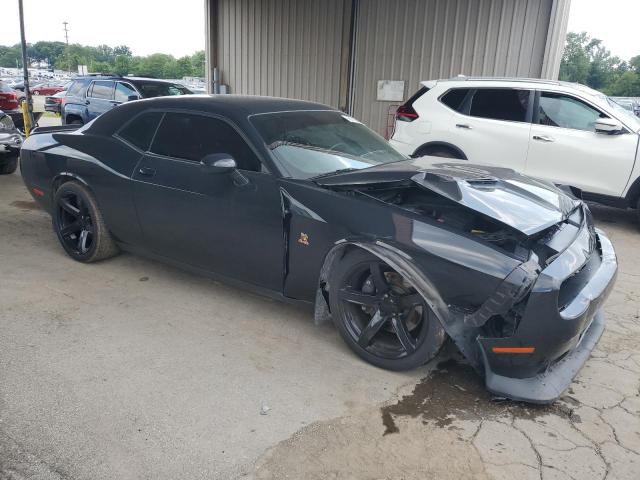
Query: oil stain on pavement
{"x":454,"y":390}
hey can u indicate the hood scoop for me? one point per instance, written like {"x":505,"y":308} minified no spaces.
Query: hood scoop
{"x":520,"y":202}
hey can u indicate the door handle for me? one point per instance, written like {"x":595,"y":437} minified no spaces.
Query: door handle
{"x":146,"y":171}
{"x":543,"y":138}
{"x":463,"y":125}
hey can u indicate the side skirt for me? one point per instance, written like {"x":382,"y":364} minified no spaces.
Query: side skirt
{"x":264,"y":292}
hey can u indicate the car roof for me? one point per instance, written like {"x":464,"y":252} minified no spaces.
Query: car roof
{"x":118,"y":77}
{"x":244,"y":104}
{"x":534,"y":83}
{"x":234,"y":107}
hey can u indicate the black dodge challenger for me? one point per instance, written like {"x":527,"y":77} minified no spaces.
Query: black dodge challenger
{"x":304,"y":203}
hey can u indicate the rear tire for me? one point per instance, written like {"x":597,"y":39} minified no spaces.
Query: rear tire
{"x":638,"y":209}
{"x":8,"y":162}
{"x":380,"y":315}
{"x":79,"y":225}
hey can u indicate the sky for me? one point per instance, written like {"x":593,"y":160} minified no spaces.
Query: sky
{"x":146,"y":26}
{"x":177,"y":27}
{"x":615,"y":22}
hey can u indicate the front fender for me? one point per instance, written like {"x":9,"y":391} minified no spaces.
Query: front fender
{"x":450,"y":318}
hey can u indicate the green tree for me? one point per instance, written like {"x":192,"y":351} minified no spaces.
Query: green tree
{"x":586,"y":60}
{"x":105,"y":59}
{"x":626,"y":85}
{"x":575,"y":63}
{"x":122,"y":65}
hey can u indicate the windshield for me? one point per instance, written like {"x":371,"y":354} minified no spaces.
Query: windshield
{"x":307,"y":144}
{"x":161,"y":89}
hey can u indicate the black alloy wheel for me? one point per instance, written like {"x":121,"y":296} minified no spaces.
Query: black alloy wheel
{"x":381,"y":315}
{"x":78,"y":222}
{"x":75,"y":225}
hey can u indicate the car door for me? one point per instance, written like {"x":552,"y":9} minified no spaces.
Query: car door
{"x":99,"y":98}
{"x":566,"y":149}
{"x":207,"y":220}
{"x":491,"y":125}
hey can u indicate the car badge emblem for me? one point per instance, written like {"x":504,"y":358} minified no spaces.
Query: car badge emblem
{"x":304,"y":239}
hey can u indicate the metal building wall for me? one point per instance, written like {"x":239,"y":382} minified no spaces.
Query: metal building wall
{"x":303,"y":49}
{"x":288,"y":48}
{"x":414,"y":40}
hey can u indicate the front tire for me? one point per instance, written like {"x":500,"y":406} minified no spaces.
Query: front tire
{"x":381,"y":315}
{"x":8,"y":162}
{"x":79,"y":225}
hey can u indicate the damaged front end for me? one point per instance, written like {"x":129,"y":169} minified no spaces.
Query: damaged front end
{"x":533,"y":333}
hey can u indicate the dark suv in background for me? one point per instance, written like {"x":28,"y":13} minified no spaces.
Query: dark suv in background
{"x":88,"y":97}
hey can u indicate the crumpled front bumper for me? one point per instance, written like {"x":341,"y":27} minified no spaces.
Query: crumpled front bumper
{"x":562,"y":331}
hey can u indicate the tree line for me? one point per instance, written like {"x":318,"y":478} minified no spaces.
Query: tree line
{"x":104,"y":59}
{"x":586,"y":60}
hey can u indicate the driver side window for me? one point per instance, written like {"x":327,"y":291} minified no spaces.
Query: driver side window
{"x":558,"y":110}
{"x":192,"y":137}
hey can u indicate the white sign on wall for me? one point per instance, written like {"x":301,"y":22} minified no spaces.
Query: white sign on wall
{"x":82,"y":70}
{"x":390,"y":90}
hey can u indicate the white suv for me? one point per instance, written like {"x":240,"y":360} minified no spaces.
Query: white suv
{"x":563,"y":132}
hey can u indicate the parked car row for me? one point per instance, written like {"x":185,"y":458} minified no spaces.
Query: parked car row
{"x":561,"y":132}
{"x":39,"y":88}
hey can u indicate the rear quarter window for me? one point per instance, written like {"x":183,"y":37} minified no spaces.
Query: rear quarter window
{"x":140,"y":130}
{"x":454,"y":98}
{"x":76,"y":89}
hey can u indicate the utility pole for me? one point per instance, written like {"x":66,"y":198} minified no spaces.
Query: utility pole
{"x":66,"y":39}
{"x":26,"y":110}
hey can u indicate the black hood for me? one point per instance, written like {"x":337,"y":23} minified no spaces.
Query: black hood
{"x":525,"y":204}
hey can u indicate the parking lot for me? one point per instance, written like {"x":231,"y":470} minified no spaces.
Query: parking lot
{"x":133,"y":369}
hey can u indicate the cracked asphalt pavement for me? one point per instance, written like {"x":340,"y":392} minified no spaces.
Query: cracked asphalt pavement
{"x":131,"y":369}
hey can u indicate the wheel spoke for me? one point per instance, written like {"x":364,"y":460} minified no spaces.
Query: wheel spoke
{"x":373,"y":327}
{"x":84,"y":210}
{"x":71,"y":228}
{"x":359,"y":298}
{"x":74,"y":211}
{"x":82,"y":241}
{"x":378,"y":277}
{"x":403,"y":334}
{"x":411,"y":300}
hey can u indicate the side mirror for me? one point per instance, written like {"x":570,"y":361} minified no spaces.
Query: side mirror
{"x":130,"y":98}
{"x":219,"y":163}
{"x":608,"y":125}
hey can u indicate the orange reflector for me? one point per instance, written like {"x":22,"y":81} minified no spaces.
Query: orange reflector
{"x":38,"y":192}
{"x":513,"y":349}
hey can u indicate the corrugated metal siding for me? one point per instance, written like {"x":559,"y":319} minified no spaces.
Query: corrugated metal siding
{"x":414,"y":40}
{"x":556,"y":39}
{"x":288,"y":48}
